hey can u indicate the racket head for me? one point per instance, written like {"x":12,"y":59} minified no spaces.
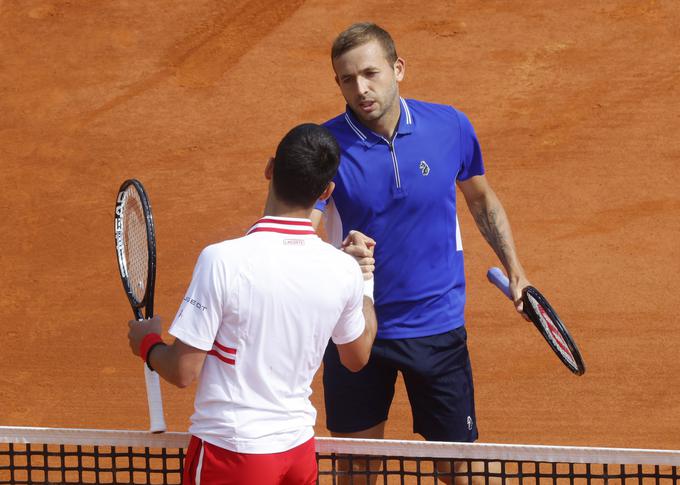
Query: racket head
{"x":550,"y":325}
{"x":135,"y":238}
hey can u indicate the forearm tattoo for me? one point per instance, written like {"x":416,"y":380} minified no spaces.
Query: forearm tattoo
{"x":493,"y":224}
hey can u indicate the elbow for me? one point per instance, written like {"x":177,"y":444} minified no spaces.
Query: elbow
{"x":357,"y":363}
{"x":355,"y":367}
{"x":355,"y":355}
{"x":184,"y":378}
{"x":182,"y":383}
{"x":179,"y":364}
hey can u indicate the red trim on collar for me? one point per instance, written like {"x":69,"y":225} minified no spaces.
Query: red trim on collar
{"x":274,"y":220}
{"x":282,"y":231}
{"x":297,"y":226}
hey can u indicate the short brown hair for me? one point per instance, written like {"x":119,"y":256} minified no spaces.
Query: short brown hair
{"x":360,"y":34}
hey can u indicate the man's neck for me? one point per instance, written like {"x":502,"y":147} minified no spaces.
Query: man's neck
{"x":276,"y":208}
{"x":386,"y":125}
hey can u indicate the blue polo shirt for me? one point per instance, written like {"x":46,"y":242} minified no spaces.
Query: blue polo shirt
{"x":402,"y":193}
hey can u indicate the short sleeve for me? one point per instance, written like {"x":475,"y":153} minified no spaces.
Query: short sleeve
{"x":200,"y":313}
{"x":351,"y":324}
{"x":471,"y":152}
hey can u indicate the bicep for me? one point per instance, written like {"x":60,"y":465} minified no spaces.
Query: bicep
{"x":355,"y":354}
{"x":189,"y":360}
{"x":354,"y":340}
{"x":200,"y":314}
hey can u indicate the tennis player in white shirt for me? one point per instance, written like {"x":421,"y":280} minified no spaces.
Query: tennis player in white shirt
{"x":255,"y":322}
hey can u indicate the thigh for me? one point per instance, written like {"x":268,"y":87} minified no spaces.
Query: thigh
{"x":356,"y":401}
{"x":440,"y":387}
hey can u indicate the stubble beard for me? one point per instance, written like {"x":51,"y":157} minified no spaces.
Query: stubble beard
{"x":370,"y":119}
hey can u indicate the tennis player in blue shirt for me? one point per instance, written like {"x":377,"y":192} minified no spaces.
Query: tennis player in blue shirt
{"x":401,"y":161}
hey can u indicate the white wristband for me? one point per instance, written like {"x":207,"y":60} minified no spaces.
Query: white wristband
{"x":368,"y":288}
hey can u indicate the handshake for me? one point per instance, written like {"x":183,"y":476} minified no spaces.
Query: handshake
{"x":361,"y":247}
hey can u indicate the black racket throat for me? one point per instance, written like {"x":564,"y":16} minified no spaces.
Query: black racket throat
{"x":553,"y":330}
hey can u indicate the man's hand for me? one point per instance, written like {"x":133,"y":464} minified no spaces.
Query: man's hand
{"x":517,"y":284}
{"x":361,"y":247}
{"x":139,"y":329}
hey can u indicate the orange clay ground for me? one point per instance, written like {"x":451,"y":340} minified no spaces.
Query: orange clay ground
{"x":577,"y":106}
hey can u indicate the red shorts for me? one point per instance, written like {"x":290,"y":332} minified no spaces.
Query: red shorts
{"x":207,"y":464}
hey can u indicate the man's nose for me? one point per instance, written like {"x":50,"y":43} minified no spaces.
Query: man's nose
{"x":362,"y":85}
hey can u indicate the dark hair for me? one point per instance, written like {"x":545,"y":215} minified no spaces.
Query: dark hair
{"x":360,"y":34}
{"x":306,"y":160}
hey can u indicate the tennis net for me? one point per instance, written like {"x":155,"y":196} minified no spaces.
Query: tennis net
{"x":56,"y":455}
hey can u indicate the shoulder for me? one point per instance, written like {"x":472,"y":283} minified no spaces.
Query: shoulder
{"x":441,"y":116}
{"x":436,"y":112}
{"x":339,"y":260}
{"x":432,"y":109}
{"x":335,"y":255}
{"x":222,"y":251}
{"x":342,"y":131}
{"x":335,"y":123}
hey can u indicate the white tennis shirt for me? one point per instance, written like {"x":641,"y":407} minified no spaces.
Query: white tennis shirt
{"x":264,"y":307}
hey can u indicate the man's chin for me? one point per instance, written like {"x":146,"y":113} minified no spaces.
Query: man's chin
{"x":367,"y":116}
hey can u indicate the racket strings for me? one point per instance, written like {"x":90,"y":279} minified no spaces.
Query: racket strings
{"x":136,"y":244}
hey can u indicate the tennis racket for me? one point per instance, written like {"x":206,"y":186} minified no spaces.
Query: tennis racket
{"x":545,"y":319}
{"x":136,"y":251}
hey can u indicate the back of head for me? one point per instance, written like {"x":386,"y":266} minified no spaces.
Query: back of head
{"x":361,"y":33}
{"x":306,"y":161}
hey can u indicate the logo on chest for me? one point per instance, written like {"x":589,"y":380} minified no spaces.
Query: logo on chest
{"x":424,"y":168}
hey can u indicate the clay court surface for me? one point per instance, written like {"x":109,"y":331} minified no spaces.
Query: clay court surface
{"x":576,"y":104}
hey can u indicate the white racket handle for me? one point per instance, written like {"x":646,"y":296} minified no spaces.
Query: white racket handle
{"x":498,"y":278}
{"x":153,"y":396}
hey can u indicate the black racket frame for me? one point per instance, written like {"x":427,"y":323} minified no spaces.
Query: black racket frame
{"x":531,"y":313}
{"x":147,"y":301}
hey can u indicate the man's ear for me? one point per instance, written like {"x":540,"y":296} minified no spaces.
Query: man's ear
{"x":269,"y":169}
{"x":327,"y":191}
{"x":400,"y":69}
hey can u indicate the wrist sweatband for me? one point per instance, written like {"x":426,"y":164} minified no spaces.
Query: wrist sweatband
{"x":149,"y":341}
{"x":148,"y":355}
{"x":368,"y":288}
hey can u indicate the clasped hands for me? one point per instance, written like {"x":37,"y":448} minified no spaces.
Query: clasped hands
{"x":361,"y":247}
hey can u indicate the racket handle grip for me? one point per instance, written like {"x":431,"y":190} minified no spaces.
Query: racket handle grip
{"x":153,"y":395}
{"x":498,"y":278}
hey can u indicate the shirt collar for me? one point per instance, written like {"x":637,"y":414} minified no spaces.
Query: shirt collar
{"x":283,"y":225}
{"x":369,"y":137}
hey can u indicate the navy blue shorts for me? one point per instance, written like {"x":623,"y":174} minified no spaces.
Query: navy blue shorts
{"x":438,"y":379}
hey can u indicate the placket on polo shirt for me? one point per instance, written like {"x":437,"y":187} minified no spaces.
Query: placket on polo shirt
{"x":369,"y":139}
